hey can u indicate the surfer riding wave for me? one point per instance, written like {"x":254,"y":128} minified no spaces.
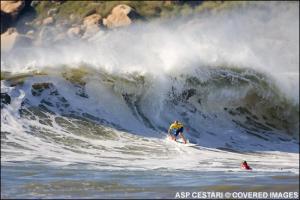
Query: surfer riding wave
{"x":176,"y":129}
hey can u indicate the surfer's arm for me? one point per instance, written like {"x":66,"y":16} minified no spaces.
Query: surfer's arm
{"x":169,"y":131}
{"x":170,"y":128}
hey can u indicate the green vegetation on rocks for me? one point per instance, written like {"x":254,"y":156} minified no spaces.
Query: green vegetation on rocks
{"x":147,"y":9}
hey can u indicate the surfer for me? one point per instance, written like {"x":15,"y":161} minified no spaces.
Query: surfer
{"x":244,"y":165}
{"x":175,"y":129}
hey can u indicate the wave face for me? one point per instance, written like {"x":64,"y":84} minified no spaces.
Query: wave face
{"x":232,"y":79}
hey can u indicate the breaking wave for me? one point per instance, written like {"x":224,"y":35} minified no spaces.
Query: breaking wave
{"x":232,"y":79}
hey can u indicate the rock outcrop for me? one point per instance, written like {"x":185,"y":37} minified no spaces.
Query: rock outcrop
{"x":52,"y":12}
{"x":74,"y":32}
{"x":34,"y":3}
{"x":48,"y":21}
{"x":91,"y":25}
{"x":9,"y":13}
{"x":12,"y":7}
{"x":119,"y":17}
{"x":30,"y":34}
{"x":92,"y":20}
{"x":11,"y":38}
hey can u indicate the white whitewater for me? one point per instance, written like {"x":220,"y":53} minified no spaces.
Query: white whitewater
{"x":231,"y":78}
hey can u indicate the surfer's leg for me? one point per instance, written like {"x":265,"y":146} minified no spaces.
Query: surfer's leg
{"x":172,"y":136}
{"x":181,"y":135}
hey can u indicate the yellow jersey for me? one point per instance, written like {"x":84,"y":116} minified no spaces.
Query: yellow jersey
{"x":176,"y":126}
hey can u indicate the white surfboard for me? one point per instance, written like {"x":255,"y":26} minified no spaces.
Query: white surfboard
{"x":180,"y":141}
{"x":188,"y":144}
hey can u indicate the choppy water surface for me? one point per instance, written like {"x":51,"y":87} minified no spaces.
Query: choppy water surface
{"x":39,"y":181}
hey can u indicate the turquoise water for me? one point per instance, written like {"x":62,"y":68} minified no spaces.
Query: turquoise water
{"x":27,"y":180}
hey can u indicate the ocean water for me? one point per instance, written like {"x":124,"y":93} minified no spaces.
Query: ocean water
{"x":89,"y":119}
{"x":41,"y":181}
